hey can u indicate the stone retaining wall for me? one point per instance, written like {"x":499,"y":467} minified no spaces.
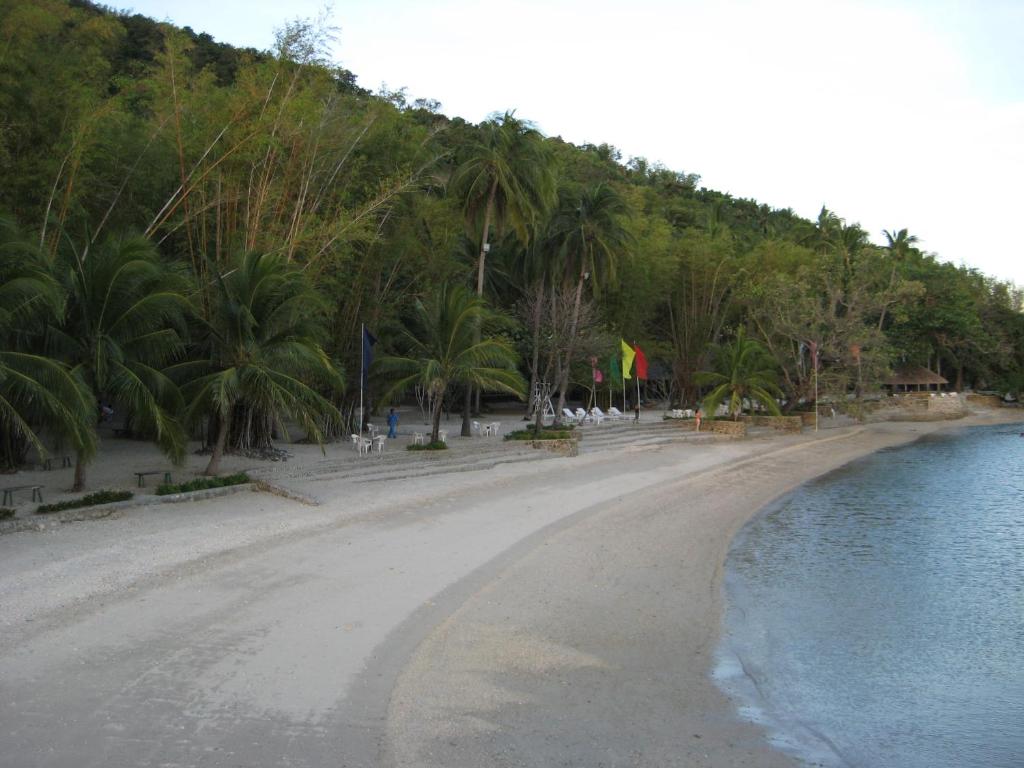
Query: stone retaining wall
{"x":727,"y":428}
{"x":985,"y":401}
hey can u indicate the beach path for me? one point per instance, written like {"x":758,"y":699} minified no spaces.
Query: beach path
{"x":563,"y":612}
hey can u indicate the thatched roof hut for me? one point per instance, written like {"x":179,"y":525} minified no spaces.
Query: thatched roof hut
{"x":914,"y":378}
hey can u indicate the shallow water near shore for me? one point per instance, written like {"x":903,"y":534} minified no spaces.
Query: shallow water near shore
{"x":876,"y":616}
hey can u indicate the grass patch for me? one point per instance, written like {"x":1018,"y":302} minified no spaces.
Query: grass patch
{"x":202,"y":484}
{"x":546,"y":433}
{"x":437,"y":445}
{"x":100,"y":497}
{"x":5,"y":513}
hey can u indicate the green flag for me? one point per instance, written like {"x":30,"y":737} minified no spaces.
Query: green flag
{"x":614,"y":371}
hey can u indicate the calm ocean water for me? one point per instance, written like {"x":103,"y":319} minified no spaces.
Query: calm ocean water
{"x":876,"y":616}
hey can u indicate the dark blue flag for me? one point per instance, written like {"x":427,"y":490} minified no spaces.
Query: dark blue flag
{"x":368,"y":341}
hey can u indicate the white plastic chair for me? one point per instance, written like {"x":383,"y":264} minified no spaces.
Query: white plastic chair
{"x":442,"y":435}
{"x":378,"y":444}
{"x":476,"y":427}
{"x":357,"y":443}
{"x":417,"y":438}
{"x":495,"y":428}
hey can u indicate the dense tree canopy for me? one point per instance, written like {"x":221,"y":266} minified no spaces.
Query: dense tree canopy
{"x":112,"y":124}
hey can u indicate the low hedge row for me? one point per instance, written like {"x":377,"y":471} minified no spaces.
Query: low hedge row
{"x":546,"y":433}
{"x":202,"y":484}
{"x":5,"y":513}
{"x":100,"y":497}
{"x":437,"y":445}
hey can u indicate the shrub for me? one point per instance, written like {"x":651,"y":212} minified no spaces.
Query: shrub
{"x":5,"y":513}
{"x":546,"y":433}
{"x":437,"y":445}
{"x":202,"y":484}
{"x":100,"y":497}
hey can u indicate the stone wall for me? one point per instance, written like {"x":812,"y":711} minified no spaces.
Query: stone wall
{"x":727,"y":428}
{"x":985,"y":401}
{"x":914,"y":407}
{"x":949,"y":407}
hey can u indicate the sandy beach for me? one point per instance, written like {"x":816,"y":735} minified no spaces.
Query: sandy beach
{"x":537,"y":613}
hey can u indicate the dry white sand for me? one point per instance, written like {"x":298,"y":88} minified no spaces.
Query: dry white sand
{"x":562,"y":612}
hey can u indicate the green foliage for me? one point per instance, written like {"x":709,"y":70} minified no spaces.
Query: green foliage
{"x":260,"y":346}
{"x":99,"y":497}
{"x":370,"y":207}
{"x":6,"y":512}
{"x":35,"y":390}
{"x":545,"y":433}
{"x":202,"y":484}
{"x":745,"y":371}
{"x":434,"y":445}
{"x":441,"y":350}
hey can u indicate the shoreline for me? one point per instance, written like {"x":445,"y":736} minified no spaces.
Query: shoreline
{"x":564,"y":611}
{"x":561,"y":689}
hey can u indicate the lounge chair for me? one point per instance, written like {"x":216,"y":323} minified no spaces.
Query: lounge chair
{"x":596,"y":415}
{"x":569,"y":416}
{"x":615,"y":413}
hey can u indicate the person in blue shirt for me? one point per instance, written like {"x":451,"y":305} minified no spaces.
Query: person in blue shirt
{"x":392,"y":424}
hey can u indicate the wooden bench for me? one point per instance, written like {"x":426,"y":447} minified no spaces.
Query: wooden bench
{"x":37,"y":493}
{"x":47,"y":463}
{"x":141,"y":475}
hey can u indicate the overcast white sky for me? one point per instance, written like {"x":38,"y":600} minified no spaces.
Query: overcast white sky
{"x":908,"y":113}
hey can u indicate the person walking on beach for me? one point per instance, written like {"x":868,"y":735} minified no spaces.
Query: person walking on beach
{"x":699,"y":417}
{"x":392,"y":424}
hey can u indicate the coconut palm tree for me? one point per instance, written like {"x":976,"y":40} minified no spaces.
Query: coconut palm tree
{"x":122,"y":325}
{"x":592,"y":236}
{"x":442,"y":349}
{"x":505,"y":181}
{"x":900,"y":243}
{"x":35,"y":391}
{"x":261,"y":350}
{"x":745,"y":371}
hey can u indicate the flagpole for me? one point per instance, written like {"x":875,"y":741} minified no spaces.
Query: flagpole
{"x":362,"y":373}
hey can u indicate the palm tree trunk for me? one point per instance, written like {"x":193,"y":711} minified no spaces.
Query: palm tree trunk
{"x":436,"y":419}
{"x":563,"y":385}
{"x":538,"y":310}
{"x":79,"y":484}
{"x":481,"y":264}
{"x":213,"y":468}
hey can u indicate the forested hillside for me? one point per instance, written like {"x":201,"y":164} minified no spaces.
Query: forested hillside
{"x":198,"y":233}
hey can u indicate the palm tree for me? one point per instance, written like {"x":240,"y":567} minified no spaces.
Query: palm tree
{"x":261,"y":343}
{"x":592,"y":236}
{"x":442,"y":349}
{"x":122,"y":325}
{"x":506,"y":180}
{"x":745,"y":371}
{"x":35,"y":390}
{"x":899,"y":244}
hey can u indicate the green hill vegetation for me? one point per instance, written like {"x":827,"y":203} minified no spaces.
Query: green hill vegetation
{"x":193,"y":235}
